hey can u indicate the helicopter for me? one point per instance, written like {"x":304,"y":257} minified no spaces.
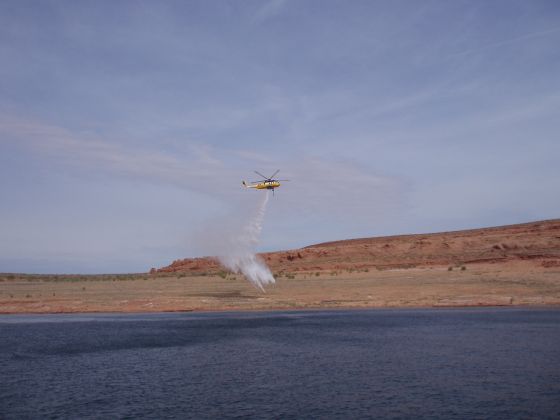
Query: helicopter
{"x":268,"y":184}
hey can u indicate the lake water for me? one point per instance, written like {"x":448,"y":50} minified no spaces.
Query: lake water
{"x":444,"y":363}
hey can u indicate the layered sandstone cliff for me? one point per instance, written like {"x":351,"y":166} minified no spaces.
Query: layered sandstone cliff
{"x":537,"y":241}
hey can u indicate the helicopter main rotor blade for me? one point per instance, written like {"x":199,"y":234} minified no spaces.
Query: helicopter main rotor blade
{"x":272,"y":176}
{"x":258,"y":173}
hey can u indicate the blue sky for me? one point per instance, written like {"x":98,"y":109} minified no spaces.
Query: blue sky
{"x":127,"y":127}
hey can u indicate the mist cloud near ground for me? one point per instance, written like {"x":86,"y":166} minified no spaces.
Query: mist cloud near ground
{"x":234,"y":241}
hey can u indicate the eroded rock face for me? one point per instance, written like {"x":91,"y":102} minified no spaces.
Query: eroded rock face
{"x":194,"y":265}
{"x":538,"y":241}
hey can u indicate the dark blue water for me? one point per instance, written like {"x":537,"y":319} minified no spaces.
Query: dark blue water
{"x":477,"y":363}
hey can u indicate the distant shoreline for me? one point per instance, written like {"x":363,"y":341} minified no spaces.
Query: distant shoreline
{"x":516,"y":265}
{"x":516,"y":284}
{"x":293,"y":310}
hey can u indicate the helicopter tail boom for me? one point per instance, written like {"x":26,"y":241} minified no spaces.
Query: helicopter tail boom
{"x":247,"y":185}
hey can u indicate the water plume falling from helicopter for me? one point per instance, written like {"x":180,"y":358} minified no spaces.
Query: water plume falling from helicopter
{"x":240,"y":256}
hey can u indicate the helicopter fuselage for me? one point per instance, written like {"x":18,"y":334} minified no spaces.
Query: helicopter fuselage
{"x":265,"y":185}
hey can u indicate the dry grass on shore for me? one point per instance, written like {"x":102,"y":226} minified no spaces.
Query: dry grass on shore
{"x":514,"y":283}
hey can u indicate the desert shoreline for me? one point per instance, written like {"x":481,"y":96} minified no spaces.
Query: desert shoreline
{"x":507,"y":266}
{"x":511,"y":284}
{"x":307,"y":309}
{"x":293,"y":310}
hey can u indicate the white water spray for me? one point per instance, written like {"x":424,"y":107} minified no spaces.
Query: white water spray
{"x":240,"y":256}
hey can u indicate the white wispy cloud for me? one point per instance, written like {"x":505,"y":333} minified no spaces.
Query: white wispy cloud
{"x":316,"y":184}
{"x":268,"y":10}
{"x":83,"y":150}
{"x":505,"y":42}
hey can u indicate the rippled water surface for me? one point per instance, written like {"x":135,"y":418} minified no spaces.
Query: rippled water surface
{"x":484,"y":363}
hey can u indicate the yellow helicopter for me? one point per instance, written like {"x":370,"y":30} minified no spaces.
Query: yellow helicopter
{"x":268,"y":184}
